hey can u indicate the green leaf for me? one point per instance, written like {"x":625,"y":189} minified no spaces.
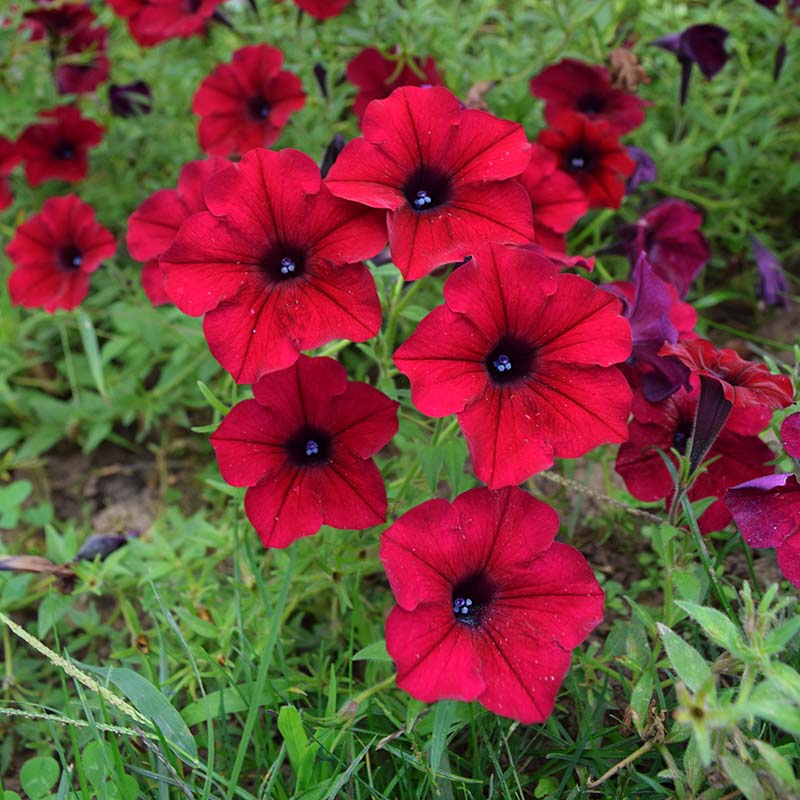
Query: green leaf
{"x":212,"y":399}
{"x":640,"y":699}
{"x":719,"y":628}
{"x":688,"y":664}
{"x":745,"y":780}
{"x":443,"y":714}
{"x":778,"y":765}
{"x":778,"y":638}
{"x":151,"y":703}
{"x":454,"y":454}
{"x":92,"y":350}
{"x":373,"y":652}
{"x":11,"y":499}
{"x":785,"y":679}
{"x":545,"y":787}
{"x":687,"y":585}
{"x":300,"y":750}
{"x":38,"y":776}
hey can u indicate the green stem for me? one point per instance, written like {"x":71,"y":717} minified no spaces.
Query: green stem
{"x":706,"y":559}
{"x":68,"y":362}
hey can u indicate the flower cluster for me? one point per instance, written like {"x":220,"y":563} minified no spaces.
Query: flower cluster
{"x":536,"y":363}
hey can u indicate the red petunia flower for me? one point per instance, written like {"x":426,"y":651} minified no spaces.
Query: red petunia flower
{"x":591,"y":153}
{"x":377,"y":77}
{"x":274,"y":264}
{"x":442,"y":174}
{"x":573,"y":85}
{"x":9,"y":158}
{"x":767,"y":512}
{"x":558,"y":201}
{"x":523,"y":357}
{"x":303,"y":445}
{"x":154,"y":21}
{"x":790,"y":435}
{"x":246,"y":103}
{"x":489,"y":607}
{"x":58,"y":147}
{"x":669,"y":234}
{"x":737,"y":453}
{"x":323,"y":9}
{"x":85,"y":64}
{"x":152,"y":228}
{"x":55,"y":252}
{"x":744,"y":383}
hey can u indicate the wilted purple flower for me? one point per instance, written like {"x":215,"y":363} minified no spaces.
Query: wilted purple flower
{"x":649,"y":316}
{"x":103,"y":545}
{"x":773,"y":287}
{"x":699,"y":44}
{"x":645,"y":171}
{"x":128,"y":100}
{"x":670,"y":237}
{"x":335,"y":146}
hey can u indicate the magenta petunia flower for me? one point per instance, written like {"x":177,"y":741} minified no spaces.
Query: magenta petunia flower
{"x":442,"y":174}
{"x":54,"y":254}
{"x":376,"y":76}
{"x":489,"y":607}
{"x":767,"y":512}
{"x":9,"y":158}
{"x":84,"y":64}
{"x":274,"y":264}
{"x":591,"y":153}
{"x":524,"y":357}
{"x":246,"y":103}
{"x":153,"y":21}
{"x":152,"y":228}
{"x":557,"y":199}
{"x":303,"y":446}
{"x":669,"y":234}
{"x":737,"y":453}
{"x":57,"y":147}
{"x":744,"y":383}
{"x":573,"y":85}
{"x":645,"y":172}
{"x":790,"y":435}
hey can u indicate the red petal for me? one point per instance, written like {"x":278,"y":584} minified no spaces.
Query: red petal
{"x":436,"y":658}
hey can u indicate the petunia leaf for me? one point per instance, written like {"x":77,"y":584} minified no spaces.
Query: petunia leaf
{"x":688,"y":664}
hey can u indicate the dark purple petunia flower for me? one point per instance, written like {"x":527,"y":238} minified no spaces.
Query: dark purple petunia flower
{"x":703,"y":45}
{"x":130,"y":99}
{"x":670,"y":236}
{"x":645,"y":172}
{"x":773,"y":287}
{"x":649,"y":316}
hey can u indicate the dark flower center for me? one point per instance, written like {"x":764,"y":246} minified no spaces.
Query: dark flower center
{"x":309,"y":447}
{"x":578,"y":159}
{"x":64,"y":150}
{"x":426,"y":189}
{"x":191,"y":6}
{"x":681,"y":437}
{"x":472,"y":599}
{"x":70,"y":258}
{"x":258,"y":108}
{"x":511,"y":361}
{"x":282,"y":263}
{"x":591,"y":103}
